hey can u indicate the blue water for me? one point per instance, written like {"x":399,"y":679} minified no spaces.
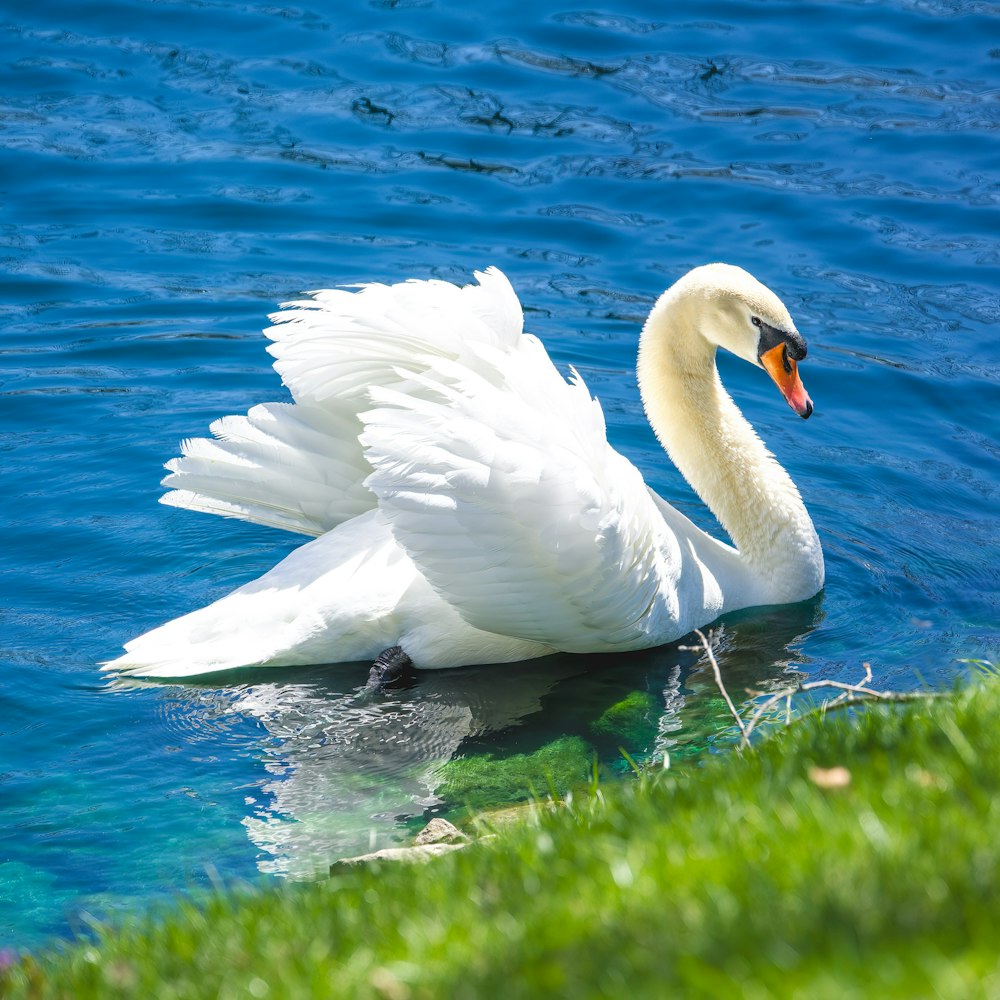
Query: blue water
{"x":169,"y":171}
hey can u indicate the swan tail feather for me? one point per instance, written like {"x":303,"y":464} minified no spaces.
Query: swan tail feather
{"x":333,"y":599}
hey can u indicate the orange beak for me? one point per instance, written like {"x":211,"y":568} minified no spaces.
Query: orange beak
{"x":785,"y":373}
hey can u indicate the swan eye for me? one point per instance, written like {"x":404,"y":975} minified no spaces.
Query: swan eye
{"x":794,"y":347}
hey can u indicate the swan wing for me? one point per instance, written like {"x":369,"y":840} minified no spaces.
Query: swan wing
{"x":300,"y":466}
{"x":499,"y":482}
{"x":296,"y":467}
{"x":339,"y":343}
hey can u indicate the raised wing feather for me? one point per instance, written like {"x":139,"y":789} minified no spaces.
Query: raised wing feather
{"x":341,"y":343}
{"x":499,"y":482}
{"x":300,"y":466}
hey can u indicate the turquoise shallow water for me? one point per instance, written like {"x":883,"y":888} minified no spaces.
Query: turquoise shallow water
{"x":170,"y":171}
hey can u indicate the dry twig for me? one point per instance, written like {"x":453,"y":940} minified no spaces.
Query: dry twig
{"x":706,"y":645}
{"x":850,"y":694}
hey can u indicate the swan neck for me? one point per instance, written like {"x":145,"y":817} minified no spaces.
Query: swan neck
{"x":722,"y":458}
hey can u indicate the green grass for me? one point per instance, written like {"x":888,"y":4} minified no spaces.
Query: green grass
{"x":744,"y":877}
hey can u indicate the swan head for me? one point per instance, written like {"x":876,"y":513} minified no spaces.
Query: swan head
{"x":736,"y":312}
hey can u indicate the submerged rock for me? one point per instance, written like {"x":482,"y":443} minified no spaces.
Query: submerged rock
{"x":419,"y":852}
{"x":484,"y":782}
{"x":440,"y":831}
{"x":437,"y":838}
{"x":632,"y":722}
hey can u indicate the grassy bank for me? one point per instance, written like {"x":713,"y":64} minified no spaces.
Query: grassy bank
{"x":843,"y":855}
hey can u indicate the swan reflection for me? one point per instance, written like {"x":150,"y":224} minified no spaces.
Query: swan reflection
{"x":350,"y":771}
{"x":348,"y":767}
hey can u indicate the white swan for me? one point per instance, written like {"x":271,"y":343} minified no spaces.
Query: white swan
{"x":467,"y":504}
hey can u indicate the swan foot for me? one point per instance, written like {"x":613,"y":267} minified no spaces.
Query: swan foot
{"x":392,"y":668}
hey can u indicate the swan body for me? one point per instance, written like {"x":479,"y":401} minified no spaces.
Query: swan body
{"x":464,"y":499}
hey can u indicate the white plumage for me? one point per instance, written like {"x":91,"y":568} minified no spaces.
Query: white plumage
{"x":466,"y":502}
